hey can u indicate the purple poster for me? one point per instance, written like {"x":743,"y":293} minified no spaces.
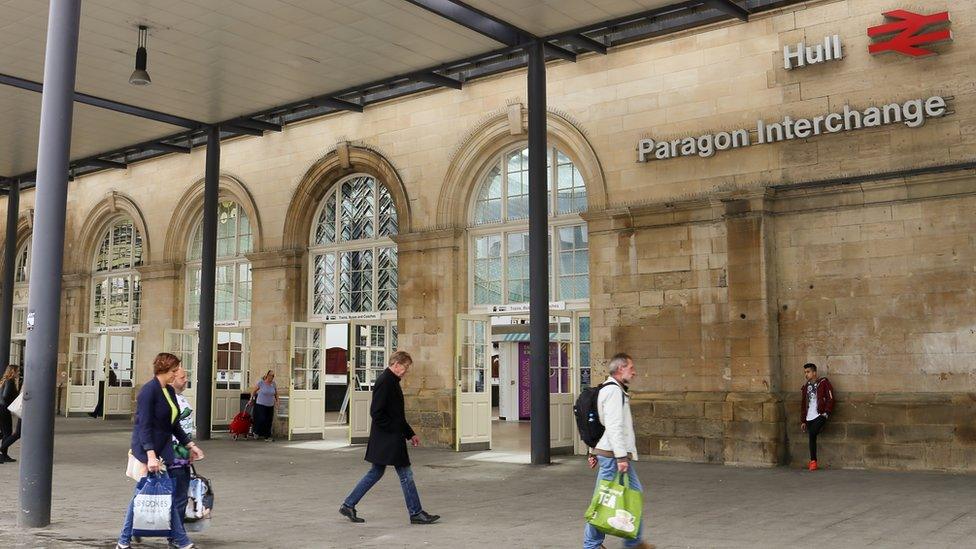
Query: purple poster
{"x":523,"y":380}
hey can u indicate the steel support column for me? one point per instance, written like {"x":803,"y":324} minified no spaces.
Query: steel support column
{"x":538,"y":256}
{"x":44,"y":298}
{"x":9,"y":268}
{"x":208,"y":278}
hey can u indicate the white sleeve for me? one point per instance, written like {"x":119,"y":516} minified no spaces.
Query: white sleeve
{"x":613,"y":421}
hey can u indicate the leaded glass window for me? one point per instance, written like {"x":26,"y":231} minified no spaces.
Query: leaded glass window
{"x":500,"y":242}
{"x":22,"y":273}
{"x":116,"y":286}
{"x":232,"y":297}
{"x":353,"y":260}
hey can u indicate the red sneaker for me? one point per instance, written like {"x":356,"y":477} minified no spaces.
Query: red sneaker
{"x":812,"y":466}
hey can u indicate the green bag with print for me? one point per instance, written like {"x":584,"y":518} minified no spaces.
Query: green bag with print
{"x":616,"y":508}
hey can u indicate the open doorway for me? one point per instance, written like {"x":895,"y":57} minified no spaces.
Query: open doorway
{"x":493,"y":382}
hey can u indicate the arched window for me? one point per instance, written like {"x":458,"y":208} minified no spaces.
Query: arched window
{"x":353,"y":260}
{"x":18,"y":328}
{"x":116,"y":287}
{"x":232,"y":296}
{"x":22,"y":274}
{"x":500,"y":234}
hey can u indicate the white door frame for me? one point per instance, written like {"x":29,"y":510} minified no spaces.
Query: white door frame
{"x":306,"y":406}
{"x":472,"y":413}
{"x":119,"y":399}
{"x":562,"y":422}
{"x":185,"y":344}
{"x":227,"y":401}
{"x":361,"y":388}
{"x":82,"y":396}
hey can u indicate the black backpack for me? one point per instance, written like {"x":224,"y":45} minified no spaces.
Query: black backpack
{"x":588,"y":415}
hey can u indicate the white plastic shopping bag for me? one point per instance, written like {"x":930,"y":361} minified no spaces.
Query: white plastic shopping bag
{"x":152,"y":506}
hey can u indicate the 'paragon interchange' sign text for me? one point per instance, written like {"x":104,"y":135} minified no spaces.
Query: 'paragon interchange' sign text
{"x":912,"y":113}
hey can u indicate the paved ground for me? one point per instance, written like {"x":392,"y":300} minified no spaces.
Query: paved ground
{"x":276,"y":495}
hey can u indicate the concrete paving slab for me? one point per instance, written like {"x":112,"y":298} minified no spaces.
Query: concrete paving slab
{"x":281,"y":494}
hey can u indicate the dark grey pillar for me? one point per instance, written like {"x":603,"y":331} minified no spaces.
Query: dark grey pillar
{"x":538,"y":257}
{"x":208,"y":279}
{"x":9,"y":268}
{"x":44,"y":298}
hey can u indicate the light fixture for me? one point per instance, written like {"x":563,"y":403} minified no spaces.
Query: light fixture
{"x":139,"y":76}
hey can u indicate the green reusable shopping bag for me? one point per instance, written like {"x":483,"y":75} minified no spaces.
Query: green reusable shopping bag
{"x":616,"y":508}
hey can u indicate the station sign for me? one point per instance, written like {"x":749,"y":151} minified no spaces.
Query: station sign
{"x":524,"y":307}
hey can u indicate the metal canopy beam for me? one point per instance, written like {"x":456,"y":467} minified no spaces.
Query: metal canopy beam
{"x":237,"y":127}
{"x":476,"y":20}
{"x":256,"y":124}
{"x":103,"y":163}
{"x":116,"y":106}
{"x":167,"y":147}
{"x":333,"y":103}
{"x":729,"y":7}
{"x":586,"y":43}
{"x":553,"y":50}
{"x":437,"y":80}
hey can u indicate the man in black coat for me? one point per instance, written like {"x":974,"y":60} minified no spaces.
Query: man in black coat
{"x":388,"y":436}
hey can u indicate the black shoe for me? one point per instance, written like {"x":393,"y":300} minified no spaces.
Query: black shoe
{"x":424,"y":517}
{"x":350,"y":513}
{"x":7,"y":459}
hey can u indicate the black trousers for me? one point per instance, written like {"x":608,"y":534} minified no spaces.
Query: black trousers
{"x":97,"y":412}
{"x":263,"y":415}
{"x":7,"y":433}
{"x":814,"y":427}
{"x":6,"y":423}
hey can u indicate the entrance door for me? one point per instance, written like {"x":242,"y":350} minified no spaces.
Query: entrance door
{"x":371,"y":344}
{"x":183,"y":344}
{"x":473,"y":381}
{"x":119,"y":354}
{"x":230,"y":374}
{"x":306,"y":394}
{"x":83,"y":365}
{"x":562,"y":382}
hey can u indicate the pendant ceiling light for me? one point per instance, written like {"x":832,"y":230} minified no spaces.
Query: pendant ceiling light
{"x":139,"y":76}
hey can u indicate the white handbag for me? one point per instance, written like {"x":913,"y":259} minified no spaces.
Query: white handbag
{"x":17,"y":406}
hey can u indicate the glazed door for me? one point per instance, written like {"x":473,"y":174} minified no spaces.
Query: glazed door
{"x":183,"y":344}
{"x":472,"y":376}
{"x":562,"y":375}
{"x":230,"y":375}
{"x":306,"y":391}
{"x":119,"y":354}
{"x":83,"y":365}
{"x":370,"y":344}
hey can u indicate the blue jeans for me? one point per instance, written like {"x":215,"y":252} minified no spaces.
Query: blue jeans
{"x":177,"y":532}
{"x":607,"y":470}
{"x":373,"y":476}
{"x":181,"y":481}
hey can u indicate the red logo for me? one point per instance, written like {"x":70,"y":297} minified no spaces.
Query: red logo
{"x":910,"y":31}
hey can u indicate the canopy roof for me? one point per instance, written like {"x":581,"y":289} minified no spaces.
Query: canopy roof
{"x":254,"y":65}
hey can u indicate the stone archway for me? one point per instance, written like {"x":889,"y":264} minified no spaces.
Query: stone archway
{"x":346,"y":160}
{"x":190,"y":208}
{"x":494,"y":135}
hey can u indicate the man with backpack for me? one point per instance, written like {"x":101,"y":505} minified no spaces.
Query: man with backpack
{"x":607,"y":427}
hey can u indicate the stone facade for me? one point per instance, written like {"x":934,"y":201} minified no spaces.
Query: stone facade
{"x":721,"y":275}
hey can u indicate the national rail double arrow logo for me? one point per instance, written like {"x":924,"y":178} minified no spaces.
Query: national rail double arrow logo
{"x":908,"y":32}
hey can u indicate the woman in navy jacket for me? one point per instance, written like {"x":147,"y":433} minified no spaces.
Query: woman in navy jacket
{"x":156,"y":425}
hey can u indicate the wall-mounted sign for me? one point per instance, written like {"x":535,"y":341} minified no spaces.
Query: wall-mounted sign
{"x":912,"y":113}
{"x":803,"y":55}
{"x":115,"y":329}
{"x":909,"y":32}
{"x":524,"y":307}
{"x":352,"y":316}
